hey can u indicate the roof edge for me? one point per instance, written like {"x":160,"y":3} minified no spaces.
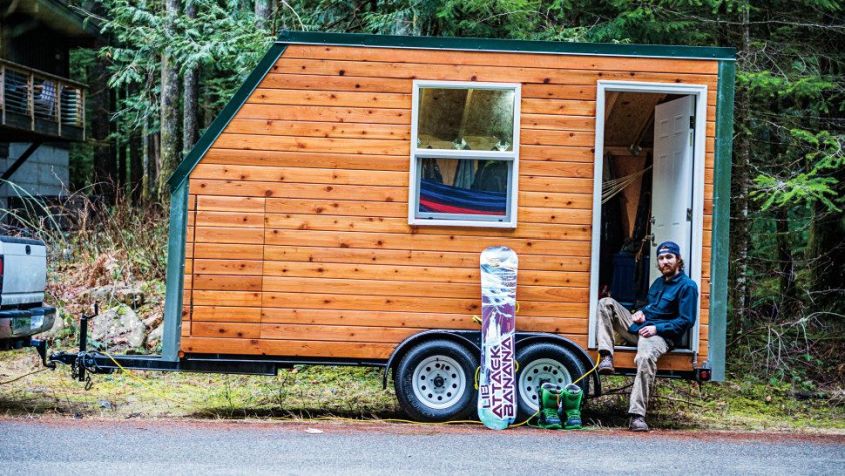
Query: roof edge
{"x":186,"y":166}
{"x":60,"y":16}
{"x":508,"y":46}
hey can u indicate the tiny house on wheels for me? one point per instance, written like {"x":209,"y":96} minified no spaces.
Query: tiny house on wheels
{"x":335,"y":211}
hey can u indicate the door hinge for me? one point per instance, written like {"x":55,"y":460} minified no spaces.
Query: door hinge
{"x":689,"y":214}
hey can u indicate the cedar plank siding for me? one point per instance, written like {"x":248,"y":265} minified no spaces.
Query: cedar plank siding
{"x":298,"y":241}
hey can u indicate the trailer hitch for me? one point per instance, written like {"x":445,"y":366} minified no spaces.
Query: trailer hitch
{"x":81,"y":363}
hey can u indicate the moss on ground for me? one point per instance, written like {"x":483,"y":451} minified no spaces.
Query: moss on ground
{"x":354,"y":392}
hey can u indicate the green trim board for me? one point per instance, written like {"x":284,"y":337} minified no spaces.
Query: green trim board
{"x":175,"y":280}
{"x":507,"y":46}
{"x":721,"y":219}
{"x":183,"y":170}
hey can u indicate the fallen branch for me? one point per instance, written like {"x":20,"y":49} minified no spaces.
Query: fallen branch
{"x":679,"y":400}
{"x":22,"y":376}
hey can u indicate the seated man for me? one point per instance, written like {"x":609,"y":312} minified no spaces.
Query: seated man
{"x":654,"y":329}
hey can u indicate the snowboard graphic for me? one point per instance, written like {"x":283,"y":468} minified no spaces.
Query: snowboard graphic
{"x":496,"y":384}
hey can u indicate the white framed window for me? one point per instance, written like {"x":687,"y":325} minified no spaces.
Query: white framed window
{"x":464,"y":154}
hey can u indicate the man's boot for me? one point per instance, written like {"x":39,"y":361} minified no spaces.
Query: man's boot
{"x":548,"y":418}
{"x":606,"y":363}
{"x":570,"y":406}
{"x":638,"y":423}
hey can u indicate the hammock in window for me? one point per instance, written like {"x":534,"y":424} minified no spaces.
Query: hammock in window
{"x":440,"y":198}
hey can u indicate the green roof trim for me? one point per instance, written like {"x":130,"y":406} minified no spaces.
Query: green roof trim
{"x":721,"y":219}
{"x":507,"y":46}
{"x":183,"y":170}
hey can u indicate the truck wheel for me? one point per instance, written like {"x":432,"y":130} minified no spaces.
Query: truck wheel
{"x":434,"y":381}
{"x":540,"y":363}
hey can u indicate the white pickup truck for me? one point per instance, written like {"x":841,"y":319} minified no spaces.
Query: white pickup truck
{"x":23,"y":275}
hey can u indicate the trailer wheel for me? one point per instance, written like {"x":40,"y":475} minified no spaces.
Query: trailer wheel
{"x":540,"y":363}
{"x":434,"y":381}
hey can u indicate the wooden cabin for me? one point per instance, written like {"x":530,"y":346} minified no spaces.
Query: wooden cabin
{"x":337,"y":207}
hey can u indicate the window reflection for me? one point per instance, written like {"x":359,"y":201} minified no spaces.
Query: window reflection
{"x":466,"y":119}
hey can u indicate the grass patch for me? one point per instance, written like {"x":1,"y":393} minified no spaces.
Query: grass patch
{"x":308,"y":392}
{"x":301,"y":392}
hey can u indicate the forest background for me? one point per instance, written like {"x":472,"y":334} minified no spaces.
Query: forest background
{"x":163,"y":69}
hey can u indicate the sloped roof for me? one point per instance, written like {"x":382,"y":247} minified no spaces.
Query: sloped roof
{"x":285,"y":38}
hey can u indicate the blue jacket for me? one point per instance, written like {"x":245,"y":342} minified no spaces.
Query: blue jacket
{"x":671,"y":307}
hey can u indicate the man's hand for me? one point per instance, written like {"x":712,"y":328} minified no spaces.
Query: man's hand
{"x":648,"y":331}
{"x":638,"y":317}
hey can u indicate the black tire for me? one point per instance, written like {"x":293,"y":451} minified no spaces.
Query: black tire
{"x":451,"y":395}
{"x":539,"y":361}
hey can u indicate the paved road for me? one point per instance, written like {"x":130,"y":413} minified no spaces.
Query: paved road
{"x":157,"y":447}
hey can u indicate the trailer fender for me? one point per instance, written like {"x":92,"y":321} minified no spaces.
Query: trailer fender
{"x":524,"y":339}
{"x":469,"y":339}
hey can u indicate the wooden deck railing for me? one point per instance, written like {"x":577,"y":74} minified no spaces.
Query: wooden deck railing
{"x":41,"y":102}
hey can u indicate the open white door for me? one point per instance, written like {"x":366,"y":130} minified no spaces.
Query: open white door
{"x":671,"y":198}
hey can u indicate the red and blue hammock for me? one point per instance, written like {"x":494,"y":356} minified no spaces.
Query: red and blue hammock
{"x":440,"y":198}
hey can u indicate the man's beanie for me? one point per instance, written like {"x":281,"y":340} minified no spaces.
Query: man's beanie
{"x":669,"y":247}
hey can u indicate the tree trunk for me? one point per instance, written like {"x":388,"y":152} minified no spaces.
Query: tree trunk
{"x":156,"y":150}
{"x":100,"y":106}
{"x":827,"y":250}
{"x":169,"y":106}
{"x":262,"y":14}
{"x":116,"y":178}
{"x":190,"y":89}
{"x":740,"y":232}
{"x":786,"y":263}
{"x":145,"y":162}
{"x":135,"y":165}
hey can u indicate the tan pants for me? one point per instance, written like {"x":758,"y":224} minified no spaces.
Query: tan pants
{"x":614,"y":321}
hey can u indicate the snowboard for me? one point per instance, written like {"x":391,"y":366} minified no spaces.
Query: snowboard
{"x":496,"y":381}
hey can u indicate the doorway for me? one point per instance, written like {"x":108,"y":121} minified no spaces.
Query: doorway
{"x":649,"y":183}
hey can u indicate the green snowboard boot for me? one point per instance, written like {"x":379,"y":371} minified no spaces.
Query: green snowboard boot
{"x":548,"y":417}
{"x":570,"y":406}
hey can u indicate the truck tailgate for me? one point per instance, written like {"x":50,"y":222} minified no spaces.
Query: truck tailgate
{"x":24,"y":271}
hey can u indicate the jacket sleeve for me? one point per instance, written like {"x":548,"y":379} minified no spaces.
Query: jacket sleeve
{"x":687,"y":302}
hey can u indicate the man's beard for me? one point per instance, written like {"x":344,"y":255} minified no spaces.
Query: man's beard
{"x":669,"y":270}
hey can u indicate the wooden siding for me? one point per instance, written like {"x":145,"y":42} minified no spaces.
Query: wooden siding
{"x":298,"y":241}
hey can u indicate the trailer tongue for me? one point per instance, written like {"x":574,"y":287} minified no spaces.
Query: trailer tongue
{"x":85,"y":361}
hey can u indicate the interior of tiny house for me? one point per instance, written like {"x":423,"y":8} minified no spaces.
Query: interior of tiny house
{"x":647,"y":189}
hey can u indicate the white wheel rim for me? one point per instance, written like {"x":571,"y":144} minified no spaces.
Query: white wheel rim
{"x":438,"y":382}
{"x":535,"y":374}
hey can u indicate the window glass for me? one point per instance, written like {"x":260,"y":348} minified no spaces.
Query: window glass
{"x":465,"y":119}
{"x":464,"y":154}
{"x":463,"y":187}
